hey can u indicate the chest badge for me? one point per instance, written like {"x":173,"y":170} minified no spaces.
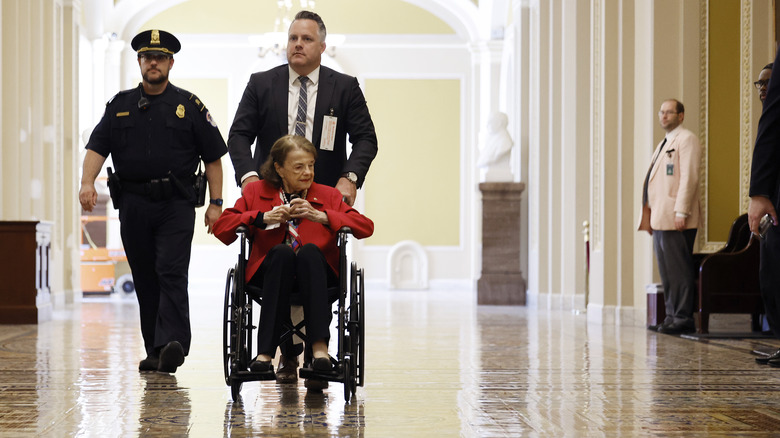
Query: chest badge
{"x":180,"y":111}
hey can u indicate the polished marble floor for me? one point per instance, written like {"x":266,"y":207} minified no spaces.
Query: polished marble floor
{"x":437,"y":365}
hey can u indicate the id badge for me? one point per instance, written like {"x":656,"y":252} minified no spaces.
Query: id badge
{"x":328,"y":138}
{"x":670,"y":169}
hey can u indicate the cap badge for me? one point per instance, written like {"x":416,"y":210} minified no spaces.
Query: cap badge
{"x":155,"y":37}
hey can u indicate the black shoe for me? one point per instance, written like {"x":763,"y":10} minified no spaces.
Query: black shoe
{"x":654,"y":328}
{"x":171,"y":357}
{"x":676,"y":329}
{"x":149,"y":364}
{"x":322,"y":364}
{"x":763,"y":360}
{"x":260,"y":366}
{"x":287,"y":372}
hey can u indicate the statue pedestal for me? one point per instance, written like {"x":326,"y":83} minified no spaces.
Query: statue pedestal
{"x":502,"y":281}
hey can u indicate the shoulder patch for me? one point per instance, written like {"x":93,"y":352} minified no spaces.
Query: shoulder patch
{"x":210,"y":119}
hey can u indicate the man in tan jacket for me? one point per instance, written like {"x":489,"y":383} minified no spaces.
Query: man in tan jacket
{"x":670,"y":213}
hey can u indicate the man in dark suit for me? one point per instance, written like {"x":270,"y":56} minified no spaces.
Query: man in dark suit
{"x":764,"y":199}
{"x":307,"y":99}
{"x":335,"y":108}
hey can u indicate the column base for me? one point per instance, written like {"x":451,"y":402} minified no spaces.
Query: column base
{"x":501,"y":289}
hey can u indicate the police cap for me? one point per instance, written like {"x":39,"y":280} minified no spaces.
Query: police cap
{"x":156,"y":42}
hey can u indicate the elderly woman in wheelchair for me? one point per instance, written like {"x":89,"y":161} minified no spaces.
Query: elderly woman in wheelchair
{"x":293,"y":224}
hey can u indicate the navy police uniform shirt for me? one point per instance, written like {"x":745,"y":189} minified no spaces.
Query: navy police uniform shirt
{"x":170,"y":133}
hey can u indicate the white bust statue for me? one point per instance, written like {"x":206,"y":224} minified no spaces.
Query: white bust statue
{"x":497,"y":150}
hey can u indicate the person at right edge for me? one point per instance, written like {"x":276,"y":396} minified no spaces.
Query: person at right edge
{"x":764,"y":198}
{"x":307,"y":99}
{"x":670,"y":213}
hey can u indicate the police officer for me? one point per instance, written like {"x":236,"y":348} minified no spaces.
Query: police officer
{"x":157,"y":135}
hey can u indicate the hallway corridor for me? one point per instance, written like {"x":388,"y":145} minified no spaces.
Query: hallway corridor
{"x":437,"y":365}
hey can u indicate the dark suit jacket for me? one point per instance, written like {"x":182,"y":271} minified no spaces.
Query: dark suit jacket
{"x":262,"y":115}
{"x":765,"y":170}
{"x":261,"y":196}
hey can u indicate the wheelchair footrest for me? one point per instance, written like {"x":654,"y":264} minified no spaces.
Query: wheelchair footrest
{"x":311,"y":373}
{"x":251,"y":376}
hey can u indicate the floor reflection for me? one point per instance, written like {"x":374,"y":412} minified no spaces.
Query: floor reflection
{"x":290,"y":410}
{"x":165,"y":407}
{"x":436,"y":365}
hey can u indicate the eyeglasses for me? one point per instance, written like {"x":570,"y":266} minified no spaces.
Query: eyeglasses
{"x":761,"y":84}
{"x":666,"y":113}
{"x":149,"y":57}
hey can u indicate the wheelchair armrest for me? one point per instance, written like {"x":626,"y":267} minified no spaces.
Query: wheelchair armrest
{"x":342,"y":238}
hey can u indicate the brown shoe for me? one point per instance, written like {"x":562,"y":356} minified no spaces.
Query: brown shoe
{"x":287,"y":372}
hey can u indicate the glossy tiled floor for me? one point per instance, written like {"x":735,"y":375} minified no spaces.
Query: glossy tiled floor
{"x":437,"y":365}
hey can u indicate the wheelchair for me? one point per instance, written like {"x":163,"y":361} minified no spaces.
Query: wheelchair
{"x":238,"y":325}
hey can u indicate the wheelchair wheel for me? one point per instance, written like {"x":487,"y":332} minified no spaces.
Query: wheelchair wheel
{"x":228,"y":326}
{"x":349,"y":379}
{"x":235,"y":389}
{"x":357,"y":326}
{"x":234,"y":335}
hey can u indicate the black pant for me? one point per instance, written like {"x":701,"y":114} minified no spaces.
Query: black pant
{"x":157,"y":236}
{"x":286,"y":276}
{"x":674,"y":253}
{"x":276,"y":276}
{"x":769,"y":278}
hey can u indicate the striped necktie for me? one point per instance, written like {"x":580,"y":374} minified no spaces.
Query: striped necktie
{"x":300,"y":120}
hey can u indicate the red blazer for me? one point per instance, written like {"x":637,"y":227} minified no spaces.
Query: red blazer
{"x":260,"y":196}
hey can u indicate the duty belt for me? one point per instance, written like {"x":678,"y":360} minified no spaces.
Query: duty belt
{"x":158,"y":189}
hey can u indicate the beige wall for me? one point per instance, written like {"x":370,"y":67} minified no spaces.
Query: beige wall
{"x":38,"y":157}
{"x":724,"y":121}
{"x":415,"y":180}
{"x":213,"y":93}
{"x":250,"y":16}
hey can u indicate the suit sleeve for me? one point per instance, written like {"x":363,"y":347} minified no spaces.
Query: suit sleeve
{"x":690,"y":158}
{"x":243,"y":132}
{"x":766,"y":160}
{"x":362,"y":134}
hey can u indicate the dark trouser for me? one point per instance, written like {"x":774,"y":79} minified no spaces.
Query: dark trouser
{"x":674,"y":253}
{"x":309,"y":274}
{"x":276,"y":277}
{"x":314,"y":276}
{"x":157,"y":236}
{"x":769,"y":277}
